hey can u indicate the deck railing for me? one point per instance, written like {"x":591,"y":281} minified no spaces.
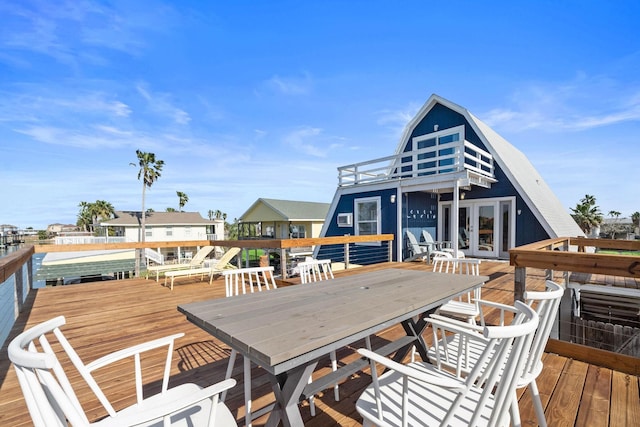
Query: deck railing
{"x":453,"y":156}
{"x":610,"y":271}
{"x":17,"y":275}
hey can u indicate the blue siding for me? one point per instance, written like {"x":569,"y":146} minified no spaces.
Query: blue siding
{"x":388,"y":220}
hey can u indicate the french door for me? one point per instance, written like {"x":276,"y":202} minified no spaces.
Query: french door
{"x":485,"y":227}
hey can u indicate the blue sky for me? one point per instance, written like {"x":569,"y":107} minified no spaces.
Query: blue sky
{"x":266,"y":99}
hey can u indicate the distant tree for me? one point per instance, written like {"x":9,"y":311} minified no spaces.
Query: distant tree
{"x":232,"y":229}
{"x":210,"y":214}
{"x":148,"y":172}
{"x":42,"y":235}
{"x":587,"y":214}
{"x":182,"y":199}
{"x":149,"y":210}
{"x":85,"y":217}
{"x":635,"y":218}
{"x":171,"y":210}
{"x":101,"y":211}
{"x":614,"y":228}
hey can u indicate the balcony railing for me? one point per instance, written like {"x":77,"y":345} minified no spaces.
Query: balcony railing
{"x":455,"y":156}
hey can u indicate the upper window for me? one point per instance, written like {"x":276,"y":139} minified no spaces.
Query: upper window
{"x":367,"y":213}
{"x":169,"y":231}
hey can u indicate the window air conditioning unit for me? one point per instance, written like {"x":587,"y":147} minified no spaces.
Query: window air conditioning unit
{"x":345,"y":220}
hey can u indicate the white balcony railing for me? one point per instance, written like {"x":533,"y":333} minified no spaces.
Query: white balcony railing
{"x":455,"y":156}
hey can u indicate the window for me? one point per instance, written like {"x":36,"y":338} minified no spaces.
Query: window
{"x":367,"y":213}
{"x":297,"y":231}
{"x":148,"y":232}
{"x":187,"y":231}
{"x":169,"y":231}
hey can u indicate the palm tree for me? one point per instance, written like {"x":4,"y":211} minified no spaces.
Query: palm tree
{"x":84,"y":216}
{"x":182,"y":199}
{"x":102,"y":210}
{"x":586,"y":214}
{"x":149,"y":173}
{"x":210,"y":214}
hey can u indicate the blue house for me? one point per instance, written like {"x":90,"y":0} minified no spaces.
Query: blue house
{"x":455,"y":178}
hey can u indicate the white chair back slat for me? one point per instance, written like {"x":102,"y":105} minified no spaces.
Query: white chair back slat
{"x":315,"y":270}
{"x":248,"y":280}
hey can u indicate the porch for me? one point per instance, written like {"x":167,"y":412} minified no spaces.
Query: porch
{"x":573,"y":390}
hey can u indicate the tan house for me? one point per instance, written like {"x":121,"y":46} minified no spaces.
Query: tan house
{"x":282,"y":219}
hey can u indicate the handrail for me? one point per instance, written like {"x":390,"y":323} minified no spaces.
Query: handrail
{"x":442,"y":158}
{"x":555,"y":254}
{"x":13,"y":262}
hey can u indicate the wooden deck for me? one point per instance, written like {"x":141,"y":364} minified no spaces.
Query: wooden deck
{"x":102,"y":317}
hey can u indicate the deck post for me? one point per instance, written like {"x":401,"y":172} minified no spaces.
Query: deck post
{"x":346,"y":256}
{"x":283,"y":263}
{"x":520,"y":283}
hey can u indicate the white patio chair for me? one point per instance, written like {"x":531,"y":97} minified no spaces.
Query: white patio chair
{"x":317,"y":270}
{"x":196,"y":261}
{"x":421,"y":394}
{"x":466,"y":305}
{"x":449,"y":351}
{"x":239,"y":282}
{"x":51,"y":399}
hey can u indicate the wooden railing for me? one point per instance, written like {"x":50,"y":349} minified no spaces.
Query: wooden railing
{"x":579,"y":255}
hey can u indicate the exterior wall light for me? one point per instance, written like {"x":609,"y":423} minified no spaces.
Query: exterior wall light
{"x":393,"y":198}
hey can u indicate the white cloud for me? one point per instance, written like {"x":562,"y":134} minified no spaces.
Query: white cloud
{"x":291,"y":85}
{"x":304,"y":139}
{"x":581,"y":104}
{"x":160,"y":103}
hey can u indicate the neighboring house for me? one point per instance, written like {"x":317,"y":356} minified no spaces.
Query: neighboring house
{"x":282,"y":219}
{"x":165,"y":226}
{"x":57,"y":228}
{"x":455,"y":177}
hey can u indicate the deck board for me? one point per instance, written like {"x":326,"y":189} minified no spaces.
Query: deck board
{"x":102,"y":317}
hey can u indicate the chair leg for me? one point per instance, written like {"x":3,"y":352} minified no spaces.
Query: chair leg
{"x":515,"y":412}
{"x":247,"y":391}
{"x":537,"y":404}
{"x":312,"y":403}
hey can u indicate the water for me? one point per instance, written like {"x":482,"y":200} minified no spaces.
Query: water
{"x":37,"y":261}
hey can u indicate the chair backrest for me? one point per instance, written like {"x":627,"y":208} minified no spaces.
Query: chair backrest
{"x":227,"y":257}
{"x":494,"y":376}
{"x":315,"y":270}
{"x":47,"y":391}
{"x":546,"y":305}
{"x":413,"y":242}
{"x":444,"y":264}
{"x":199,"y":257}
{"x":248,"y":280}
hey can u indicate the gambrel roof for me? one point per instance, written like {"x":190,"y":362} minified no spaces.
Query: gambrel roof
{"x":530,"y":185}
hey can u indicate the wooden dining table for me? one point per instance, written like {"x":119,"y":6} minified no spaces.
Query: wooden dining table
{"x":287,"y":330}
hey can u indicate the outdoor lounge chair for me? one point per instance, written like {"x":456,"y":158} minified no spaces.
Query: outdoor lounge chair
{"x":196,"y":261}
{"x":212,"y":270}
{"x":416,"y":249}
{"x":52,"y":401}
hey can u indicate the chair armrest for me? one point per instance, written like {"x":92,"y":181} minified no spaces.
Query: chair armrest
{"x":450,"y":383}
{"x":453,"y":325}
{"x":154,"y":412}
{"x":132,"y":351}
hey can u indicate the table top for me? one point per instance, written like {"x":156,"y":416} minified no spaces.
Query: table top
{"x":286,"y":327}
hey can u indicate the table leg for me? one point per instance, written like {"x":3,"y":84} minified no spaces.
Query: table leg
{"x":287,"y":389}
{"x":414,"y":328}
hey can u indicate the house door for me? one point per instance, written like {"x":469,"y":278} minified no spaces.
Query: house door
{"x":484,"y":227}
